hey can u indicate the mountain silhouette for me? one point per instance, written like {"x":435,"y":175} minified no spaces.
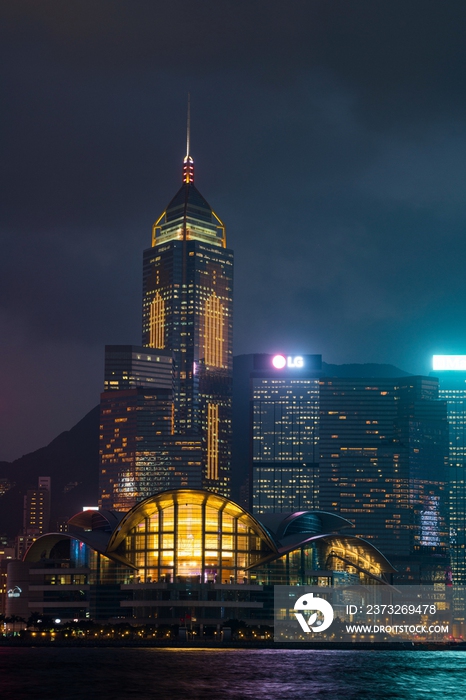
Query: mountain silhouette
{"x":72,"y":462}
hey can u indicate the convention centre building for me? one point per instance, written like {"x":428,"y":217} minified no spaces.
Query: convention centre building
{"x":183,"y":556}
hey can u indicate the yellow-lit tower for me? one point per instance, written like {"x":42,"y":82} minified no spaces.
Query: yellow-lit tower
{"x":187,"y":309}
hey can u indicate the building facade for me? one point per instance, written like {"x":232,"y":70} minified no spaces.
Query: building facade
{"x":140,"y":453}
{"x":284,"y":438}
{"x":129,"y":366}
{"x":383,"y":465}
{"x":36,"y":508}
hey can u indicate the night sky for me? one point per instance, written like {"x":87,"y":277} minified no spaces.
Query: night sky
{"x":330,"y":136}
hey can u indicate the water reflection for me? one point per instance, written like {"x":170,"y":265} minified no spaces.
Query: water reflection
{"x":75,"y":674}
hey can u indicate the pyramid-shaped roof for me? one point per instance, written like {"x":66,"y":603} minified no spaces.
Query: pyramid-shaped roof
{"x":189,"y":202}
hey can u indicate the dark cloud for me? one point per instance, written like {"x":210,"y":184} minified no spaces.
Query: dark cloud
{"x":328,"y":135}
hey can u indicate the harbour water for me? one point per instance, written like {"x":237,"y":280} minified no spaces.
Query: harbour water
{"x":266,"y":674}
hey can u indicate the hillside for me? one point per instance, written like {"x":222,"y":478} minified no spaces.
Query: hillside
{"x":71,"y":460}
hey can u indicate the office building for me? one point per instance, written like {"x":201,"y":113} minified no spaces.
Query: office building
{"x":36,"y":515}
{"x":451,"y":373}
{"x":129,"y":366}
{"x":36,"y":508}
{"x":383,"y":465}
{"x":187,"y":310}
{"x":276,"y":408}
{"x":133,"y":425}
{"x":139,"y":451}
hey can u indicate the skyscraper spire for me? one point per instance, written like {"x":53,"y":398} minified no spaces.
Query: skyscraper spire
{"x":188,"y":163}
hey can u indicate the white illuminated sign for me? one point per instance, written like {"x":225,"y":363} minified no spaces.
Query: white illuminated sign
{"x":280,"y":361}
{"x":449,"y":362}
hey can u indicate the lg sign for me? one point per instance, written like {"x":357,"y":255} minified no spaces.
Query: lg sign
{"x":280,"y":361}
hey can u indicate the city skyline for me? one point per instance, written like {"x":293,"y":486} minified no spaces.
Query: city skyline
{"x":336,"y":164}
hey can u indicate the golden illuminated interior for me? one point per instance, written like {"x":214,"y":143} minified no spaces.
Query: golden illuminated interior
{"x":157,"y":322}
{"x":331,"y":554}
{"x":345,"y":556}
{"x":212,"y":440}
{"x":192,"y":534}
{"x":213,"y":331}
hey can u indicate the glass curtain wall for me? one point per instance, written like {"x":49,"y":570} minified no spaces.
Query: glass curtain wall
{"x":197,"y":541}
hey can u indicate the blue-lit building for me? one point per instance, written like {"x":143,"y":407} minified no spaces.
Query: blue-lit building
{"x":451,"y":372}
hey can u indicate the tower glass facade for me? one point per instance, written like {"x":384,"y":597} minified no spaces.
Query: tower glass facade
{"x":166,"y":409}
{"x":36,"y":509}
{"x":284,"y":439}
{"x":135,"y":428}
{"x":384,"y":451}
{"x":139,"y":451}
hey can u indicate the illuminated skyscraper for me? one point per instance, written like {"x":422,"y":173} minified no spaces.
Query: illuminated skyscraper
{"x":36,"y":515}
{"x":276,"y":430}
{"x":36,"y":511}
{"x":187,"y":309}
{"x":383,"y":465}
{"x":451,"y":371}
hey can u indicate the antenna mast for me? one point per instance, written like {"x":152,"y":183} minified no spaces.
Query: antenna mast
{"x":188,"y":130}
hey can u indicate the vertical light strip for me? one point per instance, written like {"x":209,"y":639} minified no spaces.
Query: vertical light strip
{"x":157,"y":322}
{"x":213,"y":332}
{"x":212,"y":441}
